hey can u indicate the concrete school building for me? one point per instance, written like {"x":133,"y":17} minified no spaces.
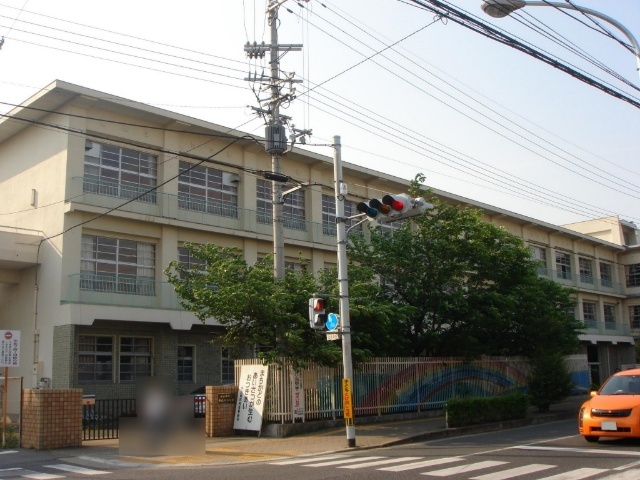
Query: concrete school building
{"x":82,"y":259}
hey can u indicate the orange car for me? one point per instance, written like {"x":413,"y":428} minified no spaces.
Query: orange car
{"x":614,"y":410}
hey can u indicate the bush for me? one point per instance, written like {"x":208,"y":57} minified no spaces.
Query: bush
{"x":478,"y":410}
{"x":549,"y":381}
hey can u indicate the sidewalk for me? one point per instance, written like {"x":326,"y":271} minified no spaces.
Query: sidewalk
{"x":246,"y":449}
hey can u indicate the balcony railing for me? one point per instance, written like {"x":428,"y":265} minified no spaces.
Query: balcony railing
{"x":606,"y":328}
{"x":195,"y":209}
{"x":138,"y":292}
{"x":582,"y":281}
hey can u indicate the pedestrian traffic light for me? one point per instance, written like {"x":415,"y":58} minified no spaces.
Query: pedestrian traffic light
{"x":393,"y":207}
{"x":317,"y":317}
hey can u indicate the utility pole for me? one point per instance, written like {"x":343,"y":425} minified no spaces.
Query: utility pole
{"x":343,"y":288}
{"x":275,"y":134}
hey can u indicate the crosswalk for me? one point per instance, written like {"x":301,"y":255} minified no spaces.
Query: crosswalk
{"x":469,"y":468}
{"x":62,"y":470}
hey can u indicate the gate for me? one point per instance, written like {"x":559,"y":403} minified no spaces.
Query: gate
{"x":100,"y":420}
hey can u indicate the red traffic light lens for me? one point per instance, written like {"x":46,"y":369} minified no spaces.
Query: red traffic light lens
{"x":397,"y":205}
{"x":319,"y":306}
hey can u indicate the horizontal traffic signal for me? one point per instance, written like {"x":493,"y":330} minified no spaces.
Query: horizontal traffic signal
{"x":393,"y":207}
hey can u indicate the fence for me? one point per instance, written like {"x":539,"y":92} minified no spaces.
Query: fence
{"x":100,"y":420}
{"x":394,"y":385}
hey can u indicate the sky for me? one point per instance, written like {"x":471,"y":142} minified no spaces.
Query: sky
{"x":407,"y":91}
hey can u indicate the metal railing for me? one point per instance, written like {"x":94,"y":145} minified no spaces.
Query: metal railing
{"x":196,"y":209}
{"x":606,"y":328}
{"x":392,"y":385}
{"x":101,"y":420}
{"x":582,"y":281}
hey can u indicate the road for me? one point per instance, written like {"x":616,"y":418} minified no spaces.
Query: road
{"x":551,"y":451}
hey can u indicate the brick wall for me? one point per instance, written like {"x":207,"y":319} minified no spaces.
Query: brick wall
{"x":51,"y":418}
{"x":221,"y":407}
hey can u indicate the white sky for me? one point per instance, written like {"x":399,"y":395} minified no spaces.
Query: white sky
{"x":479,"y":119}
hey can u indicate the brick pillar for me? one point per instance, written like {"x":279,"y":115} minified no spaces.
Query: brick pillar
{"x":51,"y":418}
{"x":220,"y":413}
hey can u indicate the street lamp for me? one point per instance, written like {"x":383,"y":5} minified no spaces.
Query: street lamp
{"x":502,"y":8}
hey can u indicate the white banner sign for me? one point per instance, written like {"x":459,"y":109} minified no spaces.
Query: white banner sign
{"x":9,"y":348}
{"x":251,"y":396}
{"x":297,"y":396}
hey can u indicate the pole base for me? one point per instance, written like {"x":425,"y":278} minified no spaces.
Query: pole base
{"x":351,"y":442}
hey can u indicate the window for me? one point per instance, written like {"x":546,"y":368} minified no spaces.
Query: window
{"x":95,"y":359}
{"x":329,"y":215}
{"x":589,"y":314}
{"x":185,"y":364}
{"x":117,"y":265}
{"x":609,"y":317}
{"x":135,"y":358}
{"x":296,"y":266}
{"x":563,"y":265}
{"x":119,"y":172}
{"x":227,"y":375}
{"x":633,"y":275}
{"x":539,"y":255}
{"x":293,"y":210}
{"x":208,"y":190}
{"x":586,"y":270}
{"x":606,"y":277}
{"x":634,"y":316}
{"x":188,"y":261}
{"x":390,"y":226}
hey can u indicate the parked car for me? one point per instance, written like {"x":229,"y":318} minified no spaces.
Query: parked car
{"x":199,"y":402}
{"x":614,"y":410}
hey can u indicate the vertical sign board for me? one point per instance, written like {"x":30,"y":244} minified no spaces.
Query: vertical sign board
{"x":252,"y":390}
{"x":297,"y":396}
{"x":9,"y":348}
{"x":347,"y":401}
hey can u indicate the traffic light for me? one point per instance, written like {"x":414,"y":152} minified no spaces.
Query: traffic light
{"x":393,"y":207}
{"x":317,"y":317}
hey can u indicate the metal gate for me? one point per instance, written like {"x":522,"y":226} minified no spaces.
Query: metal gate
{"x":100,"y":420}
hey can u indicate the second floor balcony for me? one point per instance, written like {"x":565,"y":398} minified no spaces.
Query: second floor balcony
{"x":194,"y":209}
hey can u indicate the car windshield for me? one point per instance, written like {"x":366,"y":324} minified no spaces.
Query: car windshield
{"x":622,"y":385}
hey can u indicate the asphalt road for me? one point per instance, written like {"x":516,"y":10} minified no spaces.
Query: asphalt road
{"x":551,"y":451}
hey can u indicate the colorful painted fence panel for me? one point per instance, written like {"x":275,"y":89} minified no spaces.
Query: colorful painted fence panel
{"x":395,"y":385}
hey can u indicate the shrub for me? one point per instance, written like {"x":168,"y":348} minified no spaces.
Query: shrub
{"x":478,"y":410}
{"x":549,"y":381}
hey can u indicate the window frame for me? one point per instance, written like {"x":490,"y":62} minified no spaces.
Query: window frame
{"x":227,"y":368}
{"x":294,"y":214}
{"x":189,"y":370}
{"x":563,"y":265}
{"x":204,"y":189}
{"x":95,"y":353}
{"x":585,"y":268}
{"x":632,"y":275}
{"x":606,"y":274}
{"x":634,"y":317}
{"x":329,"y":215}
{"x":590,"y":315}
{"x":106,"y":265}
{"x":119,"y":172}
{"x":135,"y":355}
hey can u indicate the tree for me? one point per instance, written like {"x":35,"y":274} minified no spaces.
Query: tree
{"x":467,"y":287}
{"x":254,"y":308}
{"x":549,"y":381}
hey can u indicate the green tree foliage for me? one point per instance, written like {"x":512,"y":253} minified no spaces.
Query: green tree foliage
{"x":255,"y":308}
{"x":549,"y":381}
{"x":465,"y":287}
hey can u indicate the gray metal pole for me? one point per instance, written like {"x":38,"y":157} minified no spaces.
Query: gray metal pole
{"x":277,"y":201}
{"x":343,"y":284}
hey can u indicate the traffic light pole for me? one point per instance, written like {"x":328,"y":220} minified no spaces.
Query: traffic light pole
{"x":343,"y":285}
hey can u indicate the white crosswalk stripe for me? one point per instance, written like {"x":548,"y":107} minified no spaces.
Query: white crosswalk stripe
{"x":579,"y":474}
{"x":386,"y":461}
{"x":425,"y":463}
{"x":341,"y":461}
{"x":464,"y":468}
{"x":306,"y":459}
{"x":626,"y":475}
{"x":41,"y":476}
{"x":514,"y":472}
{"x":75,"y":469}
{"x":4,"y":452}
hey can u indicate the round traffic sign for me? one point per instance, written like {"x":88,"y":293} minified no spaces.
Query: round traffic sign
{"x":333,"y":320}
{"x":8,"y":335}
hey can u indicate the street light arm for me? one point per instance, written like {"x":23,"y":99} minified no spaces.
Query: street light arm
{"x":502,"y":8}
